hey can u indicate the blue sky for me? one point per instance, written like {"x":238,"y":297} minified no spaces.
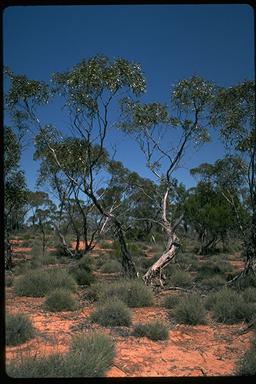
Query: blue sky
{"x":171,"y":42}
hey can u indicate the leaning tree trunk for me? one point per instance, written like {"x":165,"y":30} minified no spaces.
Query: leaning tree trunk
{"x":64,"y":245}
{"x":154,"y":272}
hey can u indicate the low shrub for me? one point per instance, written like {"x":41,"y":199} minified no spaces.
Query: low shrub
{"x":60,"y":299}
{"x":179,"y":279}
{"x":18,"y":328}
{"x":38,"y":283}
{"x":210,"y":268}
{"x":134,"y":293}
{"x":92,"y":354}
{"x":190,"y":310}
{"x":249,"y":295}
{"x":89,"y":356}
{"x":111,"y":266}
{"x":171,"y":301}
{"x":82,"y":276}
{"x":229,"y":307}
{"x":155,"y":330}
{"x":246,"y":366}
{"x":213,"y":282}
{"x":106,"y":245}
{"x":113,"y":313}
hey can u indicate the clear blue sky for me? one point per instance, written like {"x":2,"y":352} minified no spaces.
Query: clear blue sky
{"x":171,"y":42}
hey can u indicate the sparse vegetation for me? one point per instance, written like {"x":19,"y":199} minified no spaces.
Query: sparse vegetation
{"x":112,"y":313}
{"x":18,"y":328}
{"x":155,"y":330}
{"x":89,"y":356}
{"x":189,"y":310}
{"x":246,"y":366}
{"x":39,"y":282}
{"x":60,"y":299}
{"x":229,"y":307}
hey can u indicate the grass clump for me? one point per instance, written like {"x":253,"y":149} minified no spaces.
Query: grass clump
{"x":213,"y":282}
{"x":171,"y":301}
{"x":229,"y":307}
{"x":113,"y":313}
{"x":155,"y":330}
{"x":247,"y":364}
{"x":179,"y":278}
{"x":133,"y":293}
{"x":37,"y":283}
{"x":19,"y":329}
{"x":82,"y":272}
{"x":190,"y":310}
{"x":60,"y":299}
{"x":111,"y":266}
{"x":89,"y":356}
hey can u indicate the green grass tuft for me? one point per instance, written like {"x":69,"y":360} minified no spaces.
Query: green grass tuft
{"x":155,"y":330}
{"x":112,"y":313}
{"x":19,"y":329}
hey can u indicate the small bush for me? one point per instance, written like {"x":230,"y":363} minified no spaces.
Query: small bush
{"x":82,"y":276}
{"x":38,"y":283}
{"x":229,"y":307}
{"x":18,"y":329}
{"x":210,"y":268}
{"x":179,"y":279}
{"x":89,"y":356}
{"x":134,"y":293}
{"x":111,"y":266}
{"x":155,"y":330}
{"x":113,"y":313}
{"x":60,"y":299}
{"x":190,"y":310}
{"x":249,"y":295}
{"x":247,"y":364}
{"x":213,"y":282}
{"x":171,"y":301}
{"x":94,"y":353}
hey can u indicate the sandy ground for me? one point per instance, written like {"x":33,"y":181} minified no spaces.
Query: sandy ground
{"x":205,"y":350}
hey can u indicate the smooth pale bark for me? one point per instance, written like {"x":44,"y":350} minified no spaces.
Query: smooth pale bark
{"x":172,"y":246}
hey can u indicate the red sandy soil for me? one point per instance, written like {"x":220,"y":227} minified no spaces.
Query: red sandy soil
{"x":210,"y":350}
{"x":203,"y":350}
{"x":96,"y":246}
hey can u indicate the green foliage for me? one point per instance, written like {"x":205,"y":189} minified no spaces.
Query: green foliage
{"x":111,"y":266}
{"x":246,"y":366}
{"x":154,"y":330}
{"x":210,"y":268}
{"x":134,"y":293}
{"x":82,"y":276}
{"x":60,"y":299}
{"x":213,"y":282}
{"x":249,"y":295}
{"x":38,"y":282}
{"x":82,"y":271}
{"x":179,"y":278}
{"x":229,"y":307}
{"x":19,"y":329}
{"x":113,"y":313}
{"x":89,"y":356}
{"x":171,"y":301}
{"x":190,"y":310}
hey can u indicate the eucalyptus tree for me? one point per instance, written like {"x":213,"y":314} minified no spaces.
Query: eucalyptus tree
{"x":14,"y":190}
{"x":88,"y":91}
{"x":209,"y":213}
{"x":234,"y":113}
{"x":68,"y":189}
{"x":164,"y":139}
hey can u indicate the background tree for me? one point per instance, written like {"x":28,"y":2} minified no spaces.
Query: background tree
{"x":154,"y":130}
{"x":234,"y":113}
{"x":88,"y":90}
{"x":14,"y":191}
